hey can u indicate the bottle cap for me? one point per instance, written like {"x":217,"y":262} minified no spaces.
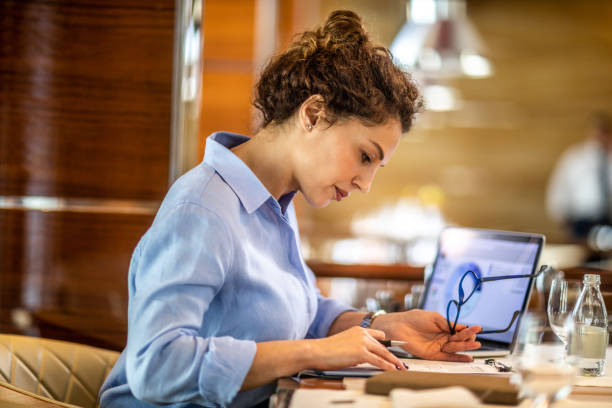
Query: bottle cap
{"x":592,"y":279}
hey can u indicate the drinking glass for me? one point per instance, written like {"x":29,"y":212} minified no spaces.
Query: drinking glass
{"x":544,"y":371}
{"x":561,"y":301}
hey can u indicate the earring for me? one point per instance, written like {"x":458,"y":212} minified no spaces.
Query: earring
{"x":309,"y":126}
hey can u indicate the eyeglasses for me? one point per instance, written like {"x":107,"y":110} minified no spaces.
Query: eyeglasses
{"x":501,"y":367}
{"x":478,"y":281}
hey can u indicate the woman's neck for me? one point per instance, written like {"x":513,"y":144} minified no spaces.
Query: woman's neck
{"x":269,"y":157}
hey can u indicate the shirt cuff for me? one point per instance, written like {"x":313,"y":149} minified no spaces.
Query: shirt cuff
{"x":328,"y":311}
{"x":225,"y":367}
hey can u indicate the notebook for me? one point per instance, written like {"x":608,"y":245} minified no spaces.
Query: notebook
{"x":488,"y":253}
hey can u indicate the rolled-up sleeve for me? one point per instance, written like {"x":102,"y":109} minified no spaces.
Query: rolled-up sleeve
{"x":327,"y":311}
{"x":182,"y":264}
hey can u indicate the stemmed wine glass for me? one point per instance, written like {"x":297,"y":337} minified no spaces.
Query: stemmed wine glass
{"x":544,"y":370}
{"x":561,"y":301}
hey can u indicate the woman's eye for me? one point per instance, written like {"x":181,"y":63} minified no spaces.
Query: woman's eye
{"x":365,"y":158}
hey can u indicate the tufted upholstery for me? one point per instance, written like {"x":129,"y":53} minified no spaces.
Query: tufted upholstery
{"x":63,"y":371}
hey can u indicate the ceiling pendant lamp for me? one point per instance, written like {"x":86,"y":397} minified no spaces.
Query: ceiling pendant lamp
{"x":438,"y":41}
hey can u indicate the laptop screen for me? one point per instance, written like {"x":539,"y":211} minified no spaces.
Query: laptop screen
{"x":487,"y":253}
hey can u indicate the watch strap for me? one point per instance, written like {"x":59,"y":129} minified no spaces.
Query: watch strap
{"x":367,"y":320}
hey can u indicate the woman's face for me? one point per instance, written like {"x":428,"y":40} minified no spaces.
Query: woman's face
{"x":342,"y":158}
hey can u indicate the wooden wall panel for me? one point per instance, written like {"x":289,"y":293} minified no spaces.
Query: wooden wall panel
{"x":68,"y":271}
{"x":85,"y":86}
{"x":225,"y":102}
{"x":85,"y":109}
{"x":229,"y":29}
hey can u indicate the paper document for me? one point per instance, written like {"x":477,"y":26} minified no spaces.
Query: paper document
{"x":363,"y":370}
{"x":368,"y":370}
{"x":475,"y":367}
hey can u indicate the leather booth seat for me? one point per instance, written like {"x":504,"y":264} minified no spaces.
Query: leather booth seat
{"x":58,"y":370}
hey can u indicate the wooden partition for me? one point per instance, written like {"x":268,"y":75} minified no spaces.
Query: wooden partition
{"x":85,"y":118}
{"x":398,"y":272}
{"x":228,"y":66}
{"x":85,"y":105}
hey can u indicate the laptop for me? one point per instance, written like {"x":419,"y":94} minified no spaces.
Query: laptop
{"x":488,"y":253}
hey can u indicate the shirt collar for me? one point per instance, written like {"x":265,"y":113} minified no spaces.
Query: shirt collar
{"x":238,"y":176}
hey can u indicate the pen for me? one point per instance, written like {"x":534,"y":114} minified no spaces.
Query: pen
{"x":391,"y":343}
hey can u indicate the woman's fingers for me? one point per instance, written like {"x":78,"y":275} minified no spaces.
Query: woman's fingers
{"x":370,"y":350}
{"x":379,"y":362}
{"x":382,"y":352}
{"x":460,"y":327}
{"x":462,"y":358}
{"x":377,"y":334}
{"x":453,"y":347}
{"x":387,"y":361}
{"x":466,"y":334}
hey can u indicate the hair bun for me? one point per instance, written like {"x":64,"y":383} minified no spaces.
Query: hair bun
{"x":343,"y":26}
{"x":337,"y":61}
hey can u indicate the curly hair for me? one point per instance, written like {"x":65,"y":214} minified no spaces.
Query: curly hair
{"x":355,"y":77}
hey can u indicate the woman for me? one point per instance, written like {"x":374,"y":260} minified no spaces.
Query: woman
{"x":221,"y":302}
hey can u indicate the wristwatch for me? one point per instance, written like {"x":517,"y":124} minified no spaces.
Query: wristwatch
{"x":367,"y":320}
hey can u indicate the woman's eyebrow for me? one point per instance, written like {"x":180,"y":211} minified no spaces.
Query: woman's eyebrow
{"x":380,"y":150}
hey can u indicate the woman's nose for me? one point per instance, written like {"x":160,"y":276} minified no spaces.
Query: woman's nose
{"x":364,"y":181}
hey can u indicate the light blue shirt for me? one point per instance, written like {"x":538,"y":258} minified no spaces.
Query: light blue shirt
{"x":218,"y":270}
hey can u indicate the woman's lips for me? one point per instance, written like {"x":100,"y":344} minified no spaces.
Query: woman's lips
{"x":340,"y":194}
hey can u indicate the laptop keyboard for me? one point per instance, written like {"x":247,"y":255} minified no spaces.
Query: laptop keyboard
{"x":487,"y":348}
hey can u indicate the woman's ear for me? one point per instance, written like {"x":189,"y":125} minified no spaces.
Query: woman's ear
{"x":311,"y":112}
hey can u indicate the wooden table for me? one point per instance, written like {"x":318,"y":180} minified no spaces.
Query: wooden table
{"x":575,"y":400}
{"x":598,"y":397}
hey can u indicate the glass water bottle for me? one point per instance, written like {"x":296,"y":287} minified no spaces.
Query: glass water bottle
{"x":589,"y":337}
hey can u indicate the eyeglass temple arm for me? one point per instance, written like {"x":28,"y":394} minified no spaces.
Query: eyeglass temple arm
{"x":517,"y":313}
{"x":494,"y":278}
{"x":532,"y":275}
{"x":514,"y":316}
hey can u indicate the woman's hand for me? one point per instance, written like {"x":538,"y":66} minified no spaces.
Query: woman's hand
{"x":351,"y":347}
{"x":427,"y":335}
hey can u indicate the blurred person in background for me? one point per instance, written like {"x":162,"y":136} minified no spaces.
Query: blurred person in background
{"x":579,"y":190}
